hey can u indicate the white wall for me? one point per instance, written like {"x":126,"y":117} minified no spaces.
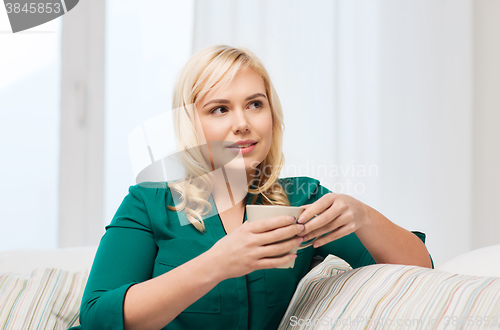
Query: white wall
{"x":425,"y":132}
{"x":485,"y":192}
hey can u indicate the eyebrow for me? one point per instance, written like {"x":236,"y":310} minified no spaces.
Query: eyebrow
{"x":226,"y":101}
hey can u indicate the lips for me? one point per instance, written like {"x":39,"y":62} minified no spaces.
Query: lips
{"x":240,"y":146}
{"x":242,"y":143}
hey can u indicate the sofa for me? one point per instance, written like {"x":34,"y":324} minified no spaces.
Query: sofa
{"x":43,"y":289}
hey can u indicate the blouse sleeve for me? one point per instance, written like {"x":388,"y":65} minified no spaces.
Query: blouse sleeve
{"x":349,"y":247}
{"x":125,"y":257}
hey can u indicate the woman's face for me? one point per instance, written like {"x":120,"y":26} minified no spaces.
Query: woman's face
{"x":235,"y":113}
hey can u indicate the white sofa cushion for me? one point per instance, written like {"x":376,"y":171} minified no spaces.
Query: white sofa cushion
{"x":480,"y":262}
{"x":24,"y":261}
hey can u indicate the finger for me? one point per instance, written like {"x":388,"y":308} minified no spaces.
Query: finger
{"x":319,"y":221}
{"x":274,"y":262}
{"x":279,"y":249}
{"x":279,"y":234}
{"x":268,"y":224}
{"x":317,"y":207}
{"x":336,"y":234}
{"x":328,"y":226}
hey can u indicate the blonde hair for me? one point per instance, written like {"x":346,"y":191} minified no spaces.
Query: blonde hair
{"x":209,"y":69}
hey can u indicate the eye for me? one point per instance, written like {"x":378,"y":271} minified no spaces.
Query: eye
{"x":218,"y":108}
{"x":259,"y":104}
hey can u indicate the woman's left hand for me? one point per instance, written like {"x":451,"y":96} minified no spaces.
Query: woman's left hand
{"x":336,"y":213}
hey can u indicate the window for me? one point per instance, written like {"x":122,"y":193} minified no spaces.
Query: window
{"x":145,"y":50}
{"x":29,"y":135}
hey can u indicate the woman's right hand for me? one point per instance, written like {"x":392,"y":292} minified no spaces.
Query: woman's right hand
{"x":253,"y":246}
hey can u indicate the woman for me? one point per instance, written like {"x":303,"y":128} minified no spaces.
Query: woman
{"x":215,"y":270}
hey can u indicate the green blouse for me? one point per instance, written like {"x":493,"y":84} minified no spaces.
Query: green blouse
{"x":145,"y":239}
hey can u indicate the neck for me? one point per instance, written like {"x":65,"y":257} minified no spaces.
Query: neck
{"x":226,"y":198}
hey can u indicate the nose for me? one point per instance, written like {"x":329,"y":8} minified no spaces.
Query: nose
{"x":240,"y":122}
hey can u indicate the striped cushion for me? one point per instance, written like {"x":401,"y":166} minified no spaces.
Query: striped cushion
{"x":47,"y":299}
{"x":387,"y":295}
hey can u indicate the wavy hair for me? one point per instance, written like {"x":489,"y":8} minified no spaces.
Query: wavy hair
{"x":206,"y":70}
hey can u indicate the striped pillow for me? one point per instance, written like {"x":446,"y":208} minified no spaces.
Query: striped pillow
{"x":49,"y":298}
{"x":387,"y":295}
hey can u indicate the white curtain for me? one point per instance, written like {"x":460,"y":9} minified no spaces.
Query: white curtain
{"x":384,"y":101}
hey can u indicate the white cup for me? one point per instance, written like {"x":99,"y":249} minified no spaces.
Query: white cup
{"x":260,"y":212}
